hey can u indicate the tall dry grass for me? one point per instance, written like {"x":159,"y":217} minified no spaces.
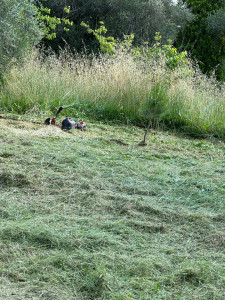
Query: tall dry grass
{"x":116,"y":89}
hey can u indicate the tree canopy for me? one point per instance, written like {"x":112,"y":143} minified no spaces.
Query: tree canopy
{"x":216,"y":22}
{"x":19,"y":28}
{"x":204,"y":37}
{"x":194,"y":26}
{"x":142,"y":18}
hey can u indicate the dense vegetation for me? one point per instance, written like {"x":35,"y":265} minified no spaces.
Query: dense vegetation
{"x":204,"y":37}
{"x":134,"y":77}
{"x":94,"y":215}
{"x":117,"y":88}
{"x":142,"y":18}
{"x":196,"y":26}
{"x":19,"y":28}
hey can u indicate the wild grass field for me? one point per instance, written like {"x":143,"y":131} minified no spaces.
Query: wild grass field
{"x":91,"y":215}
{"x":117,"y":88}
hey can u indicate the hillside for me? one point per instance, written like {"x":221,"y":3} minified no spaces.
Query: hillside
{"x":91,"y":215}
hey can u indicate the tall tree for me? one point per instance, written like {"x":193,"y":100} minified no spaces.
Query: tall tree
{"x":143,"y":18}
{"x":204,"y":37}
{"x":19,"y":28}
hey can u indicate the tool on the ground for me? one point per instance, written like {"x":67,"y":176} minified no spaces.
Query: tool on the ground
{"x":52,"y":121}
{"x":67,"y":123}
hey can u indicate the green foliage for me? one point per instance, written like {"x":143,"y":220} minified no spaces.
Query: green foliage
{"x":204,"y":7}
{"x":110,"y":46}
{"x":19,"y":28}
{"x":173,"y":58}
{"x":204,"y":37}
{"x":50,"y":22}
{"x":121,"y":17}
{"x":216,"y":22}
{"x":107,"y":44}
{"x":23,"y":24}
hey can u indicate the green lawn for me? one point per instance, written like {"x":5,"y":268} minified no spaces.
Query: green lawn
{"x":91,"y":215}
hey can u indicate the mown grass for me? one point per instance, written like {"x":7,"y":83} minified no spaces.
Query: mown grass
{"x":118,"y":89}
{"x":91,"y":215}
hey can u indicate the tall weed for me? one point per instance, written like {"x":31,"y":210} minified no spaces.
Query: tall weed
{"x":118,"y":88}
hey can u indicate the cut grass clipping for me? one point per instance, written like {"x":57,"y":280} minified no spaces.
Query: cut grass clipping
{"x":90,"y":215}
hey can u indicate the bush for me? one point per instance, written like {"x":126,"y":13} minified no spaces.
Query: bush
{"x":19,"y":29}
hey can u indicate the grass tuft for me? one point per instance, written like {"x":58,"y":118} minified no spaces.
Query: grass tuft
{"x":8,"y":178}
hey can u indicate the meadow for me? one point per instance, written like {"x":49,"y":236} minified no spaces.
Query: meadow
{"x":92,"y":215}
{"x":118,"y":89}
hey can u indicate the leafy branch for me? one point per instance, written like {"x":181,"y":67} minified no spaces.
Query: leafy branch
{"x":50,"y":23}
{"x":110,"y":46}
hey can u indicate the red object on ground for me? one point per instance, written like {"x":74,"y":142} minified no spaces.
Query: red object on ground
{"x":53,"y":121}
{"x":81,"y":125}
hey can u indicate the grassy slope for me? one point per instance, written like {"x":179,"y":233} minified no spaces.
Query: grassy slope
{"x":90,"y":215}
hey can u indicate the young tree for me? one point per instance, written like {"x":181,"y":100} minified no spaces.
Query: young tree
{"x":19,"y":28}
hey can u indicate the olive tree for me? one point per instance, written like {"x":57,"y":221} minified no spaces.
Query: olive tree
{"x":216,"y":22}
{"x":19,"y":28}
{"x":143,"y":18}
{"x":204,"y":37}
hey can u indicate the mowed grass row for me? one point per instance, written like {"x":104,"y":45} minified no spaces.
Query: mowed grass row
{"x":91,"y":215}
{"x":118,"y":89}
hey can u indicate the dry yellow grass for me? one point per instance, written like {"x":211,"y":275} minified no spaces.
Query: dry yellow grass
{"x":117,"y":89}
